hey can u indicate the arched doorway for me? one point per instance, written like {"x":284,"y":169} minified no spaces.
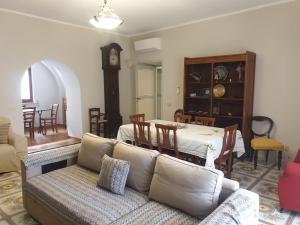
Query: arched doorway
{"x":52,"y":81}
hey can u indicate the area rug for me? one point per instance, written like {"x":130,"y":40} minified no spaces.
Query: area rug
{"x":263,"y":181}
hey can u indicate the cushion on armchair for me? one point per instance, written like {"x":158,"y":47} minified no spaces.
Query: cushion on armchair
{"x":4,"y":130}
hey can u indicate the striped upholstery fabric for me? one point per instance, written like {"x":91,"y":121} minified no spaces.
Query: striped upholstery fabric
{"x":4,"y":129}
{"x":50,"y":156}
{"x":154,"y":213}
{"x":113,"y":174}
{"x":241,"y":208}
{"x":73,"y":192}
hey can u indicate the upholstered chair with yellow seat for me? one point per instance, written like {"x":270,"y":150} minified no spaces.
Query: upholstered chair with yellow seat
{"x":13,"y":147}
{"x":262,"y":141}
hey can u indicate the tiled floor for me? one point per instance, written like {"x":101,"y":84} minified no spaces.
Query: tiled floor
{"x":262,"y":181}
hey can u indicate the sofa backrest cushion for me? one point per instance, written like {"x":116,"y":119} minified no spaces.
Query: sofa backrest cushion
{"x":186,"y":186}
{"x":4,"y":130}
{"x":142,"y":163}
{"x":92,"y":149}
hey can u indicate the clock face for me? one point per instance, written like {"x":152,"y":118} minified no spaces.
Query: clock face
{"x":113,"y":57}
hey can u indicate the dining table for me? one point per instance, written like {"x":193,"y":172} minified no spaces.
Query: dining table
{"x":197,"y":140}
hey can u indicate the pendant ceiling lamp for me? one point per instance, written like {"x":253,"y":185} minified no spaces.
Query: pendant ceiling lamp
{"x":106,"y":18}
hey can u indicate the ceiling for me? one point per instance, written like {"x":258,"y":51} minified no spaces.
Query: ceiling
{"x":139,"y":16}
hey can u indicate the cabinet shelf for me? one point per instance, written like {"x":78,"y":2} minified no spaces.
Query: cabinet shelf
{"x":199,"y":97}
{"x":227,"y":82}
{"x":200,"y":83}
{"x":228,"y":117}
{"x":229,"y":99}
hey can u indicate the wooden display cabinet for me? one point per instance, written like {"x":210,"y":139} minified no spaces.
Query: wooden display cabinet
{"x":232,"y":73}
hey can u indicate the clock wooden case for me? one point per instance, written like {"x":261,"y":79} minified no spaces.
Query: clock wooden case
{"x":111,"y":66}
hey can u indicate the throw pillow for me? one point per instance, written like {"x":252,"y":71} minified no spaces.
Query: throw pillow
{"x":113,"y":174}
{"x":4,"y":129}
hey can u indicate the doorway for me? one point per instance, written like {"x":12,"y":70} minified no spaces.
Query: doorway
{"x":148,"y":91}
{"x":44,"y":84}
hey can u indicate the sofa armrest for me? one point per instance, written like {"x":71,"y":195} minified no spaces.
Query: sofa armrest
{"x":228,"y":187}
{"x":240,"y":208}
{"x":33,"y":164}
{"x":20,"y":144}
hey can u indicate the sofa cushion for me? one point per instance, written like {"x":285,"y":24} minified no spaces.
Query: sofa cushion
{"x":92,"y":149}
{"x":4,"y":130}
{"x":142,"y":162}
{"x":154,"y":213}
{"x":186,"y":186}
{"x":113,"y":174}
{"x":73,"y":192}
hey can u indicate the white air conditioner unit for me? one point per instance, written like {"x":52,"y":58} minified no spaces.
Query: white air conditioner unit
{"x":147,"y":45}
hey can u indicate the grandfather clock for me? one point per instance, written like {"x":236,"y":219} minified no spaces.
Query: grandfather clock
{"x":111,"y":67}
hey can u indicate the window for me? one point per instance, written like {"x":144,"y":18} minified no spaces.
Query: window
{"x":26,"y":87}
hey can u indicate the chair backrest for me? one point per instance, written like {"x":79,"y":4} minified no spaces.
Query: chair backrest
{"x":261,"y":119}
{"x":54,"y":110}
{"x":228,"y":140}
{"x":205,"y":121}
{"x":29,"y":114}
{"x":141,"y":129}
{"x":183,"y":118}
{"x":137,"y":117}
{"x":164,"y":140}
{"x":94,"y":114}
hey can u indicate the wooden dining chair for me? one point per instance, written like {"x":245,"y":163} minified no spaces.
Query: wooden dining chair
{"x":141,"y":130}
{"x":29,"y":118}
{"x":52,"y":120}
{"x":97,"y":121}
{"x":227,"y":149}
{"x":205,"y":121}
{"x":182,"y":118}
{"x":137,"y":117}
{"x":164,"y":139}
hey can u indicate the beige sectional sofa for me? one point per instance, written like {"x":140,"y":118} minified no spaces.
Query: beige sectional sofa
{"x":160,"y":189}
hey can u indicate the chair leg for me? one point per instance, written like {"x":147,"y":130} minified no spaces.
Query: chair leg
{"x":52,"y":125}
{"x":267,"y":156}
{"x":279,"y":159}
{"x":255,"y":159}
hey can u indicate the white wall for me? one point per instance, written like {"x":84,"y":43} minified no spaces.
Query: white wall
{"x":25,"y":40}
{"x":273,"y":33}
{"x":47,"y":89}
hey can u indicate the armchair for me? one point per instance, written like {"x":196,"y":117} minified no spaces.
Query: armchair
{"x":12,"y":152}
{"x":289,"y":186}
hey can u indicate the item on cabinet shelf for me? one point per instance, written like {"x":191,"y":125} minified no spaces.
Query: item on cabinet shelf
{"x":221,"y":73}
{"x":219,"y":90}
{"x":216,"y":110}
{"x":202,"y":112}
{"x":196,"y":76}
{"x":203,"y":92}
{"x":239,"y":70}
{"x":229,"y":114}
{"x":193,"y":94}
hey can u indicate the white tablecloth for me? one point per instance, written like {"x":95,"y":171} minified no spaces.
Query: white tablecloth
{"x":205,"y":142}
